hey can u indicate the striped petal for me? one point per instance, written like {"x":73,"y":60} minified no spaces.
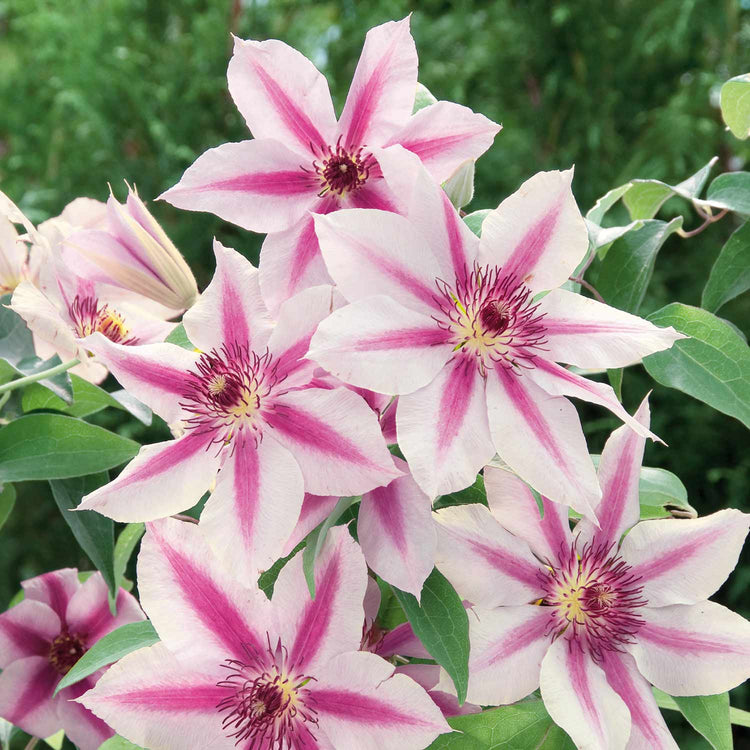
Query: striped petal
{"x":443,"y":429}
{"x":381,"y":95}
{"x":583,"y":332}
{"x":695,"y":649}
{"x":315,"y":630}
{"x":84,"y":729}
{"x":27,"y":630}
{"x":533,"y":431}
{"x":648,"y":730}
{"x":54,"y":589}
{"x":513,"y":504}
{"x":375,"y":194}
{"x":379,"y":344}
{"x":254,"y":507}
{"x":485,"y":563}
{"x":154,"y":700}
{"x":428,"y":676}
{"x":26,"y":688}
{"x":230,"y":311}
{"x":258,"y":185}
{"x":315,"y":510}
{"x":537,"y":234}
{"x":685,"y":561}
{"x":402,"y":641}
{"x":281,"y":95}
{"x":396,"y":532}
{"x":335,"y":438}
{"x":361,"y":703}
{"x":578,"y":697}
{"x":163,"y":479}
{"x":200,"y":611}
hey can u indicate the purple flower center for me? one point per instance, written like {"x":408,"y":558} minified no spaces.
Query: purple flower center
{"x":594,"y":599}
{"x":492,"y":317}
{"x":88,"y":317}
{"x":65,"y":651}
{"x":267,"y":702}
{"x":342,"y":171}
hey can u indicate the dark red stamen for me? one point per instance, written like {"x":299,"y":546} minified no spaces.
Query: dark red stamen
{"x":65,"y":651}
{"x":341,"y":170}
{"x":88,"y":317}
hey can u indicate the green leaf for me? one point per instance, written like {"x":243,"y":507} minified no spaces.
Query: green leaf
{"x":110,"y":649}
{"x":179,"y":337}
{"x":119,"y":743}
{"x":476,"y":493}
{"x":7,"y":502}
{"x":124,"y":546}
{"x":59,"y":384}
{"x":731,"y":191}
{"x":600,"y":209}
{"x":735,"y":105}
{"x":316,"y":539}
{"x":132,"y":405}
{"x":709,"y":715}
{"x":459,"y":187}
{"x":730,"y":275}
{"x":615,"y":380}
{"x":522,"y":726}
{"x":267,"y":579}
{"x":712,"y":366}
{"x":736,"y":715}
{"x":16,"y":343}
{"x":623,"y":276}
{"x":423,"y":98}
{"x":390,"y":613}
{"x":440,"y":622}
{"x":475,"y":220}
{"x":93,"y":531}
{"x":55,"y":446}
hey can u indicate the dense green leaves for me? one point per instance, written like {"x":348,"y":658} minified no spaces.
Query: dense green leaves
{"x":712,"y":366}
{"x":109,"y":649}
{"x":730,"y":275}
{"x":7,"y":502}
{"x":55,"y":446}
{"x":440,"y":622}
{"x":735,"y":105}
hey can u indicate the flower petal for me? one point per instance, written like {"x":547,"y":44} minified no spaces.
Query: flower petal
{"x":84,"y":729}
{"x":381,"y":96}
{"x":281,"y":95}
{"x":27,"y":630}
{"x":533,"y":431}
{"x":428,"y":676}
{"x":537,"y":234}
{"x":230,"y":311}
{"x":315,"y":630}
{"x":578,"y":697}
{"x":685,"y":561}
{"x":396,"y":532}
{"x":589,"y":334}
{"x":485,"y":563}
{"x":443,"y":429}
{"x":335,"y":438}
{"x":375,"y":194}
{"x":315,"y":510}
{"x":361,"y":703}
{"x":402,"y":641}
{"x":163,"y":479}
{"x":200,"y":611}
{"x":153,"y":700}
{"x":694,"y":649}
{"x":648,"y":729}
{"x":54,"y":589}
{"x":258,"y":185}
{"x":513,"y":504}
{"x":254,"y":507}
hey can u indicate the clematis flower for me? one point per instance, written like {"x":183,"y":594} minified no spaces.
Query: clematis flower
{"x":17,"y":263}
{"x":41,"y":638}
{"x":128,"y":249}
{"x":302,"y":160}
{"x":242,"y":404}
{"x":592,"y":619}
{"x":234,"y":669}
{"x":453,"y":324}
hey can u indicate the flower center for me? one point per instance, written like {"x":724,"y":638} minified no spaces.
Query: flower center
{"x":341,"y":171}
{"x":65,"y":651}
{"x":267,"y":702}
{"x":89,"y":317}
{"x":594,"y":599}
{"x":227,"y":392}
{"x":492,"y":317}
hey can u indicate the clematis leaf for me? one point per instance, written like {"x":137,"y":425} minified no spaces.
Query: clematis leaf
{"x":110,"y":649}
{"x":709,"y":715}
{"x":178,"y":336}
{"x":124,"y":546}
{"x":731,"y":191}
{"x":423,"y":98}
{"x":730,"y":274}
{"x":56,"y":446}
{"x":734,"y":101}
{"x":440,"y":622}
{"x":118,"y":743}
{"x":7,"y":502}
{"x":475,"y":493}
{"x":712,"y":366}
{"x":475,"y":220}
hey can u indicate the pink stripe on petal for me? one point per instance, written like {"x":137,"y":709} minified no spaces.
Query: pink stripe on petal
{"x":23,"y":639}
{"x":304,"y":251}
{"x":178,"y":452}
{"x":402,"y":641}
{"x":454,"y":402}
{"x":458,"y":252}
{"x":678,"y":640}
{"x":345,"y":704}
{"x":510,"y":565}
{"x":234,"y":322}
{"x":246,"y":487}
{"x":34,"y":693}
{"x":163,"y":377}
{"x":515,"y":640}
{"x":283,"y":183}
{"x":402,"y":339}
{"x":176,"y":699}
{"x":676,"y":557}
{"x":369,"y":196}
{"x":365,"y":104}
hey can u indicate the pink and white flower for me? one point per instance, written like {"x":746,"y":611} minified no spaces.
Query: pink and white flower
{"x":455,"y":326}
{"x":41,"y":638}
{"x":594,"y":619}
{"x":302,"y":160}
{"x":234,"y":668}
{"x":242,"y":403}
{"x":17,"y":262}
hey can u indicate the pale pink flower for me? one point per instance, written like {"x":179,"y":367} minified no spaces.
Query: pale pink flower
{"x":17,"y":262}
{"x":242,"y":403}
{"x":455,"y":325}
{"x":594,"y":619}
{"x":302,"y":160}
{"x":41,"y":638}
{"x":234,"y":669}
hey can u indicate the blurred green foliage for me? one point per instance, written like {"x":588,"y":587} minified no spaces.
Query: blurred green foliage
{"x":98,"y":91}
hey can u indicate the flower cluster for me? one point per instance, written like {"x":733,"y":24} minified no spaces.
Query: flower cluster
{"x":376,"y":318}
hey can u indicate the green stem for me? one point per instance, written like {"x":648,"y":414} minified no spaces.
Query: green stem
{"x":21,"y":382}
{"x":32,"y":743}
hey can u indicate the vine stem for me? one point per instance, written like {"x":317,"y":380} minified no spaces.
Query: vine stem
{"x":21,"y":382}
{"x":708,"y":220}
{"x":31,"y":744}
{"x":590,"y":287}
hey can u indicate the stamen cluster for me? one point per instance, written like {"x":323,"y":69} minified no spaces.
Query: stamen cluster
{"x":89,"y":317}
{"x":65,"y":651}
{"x":341,"y":171}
